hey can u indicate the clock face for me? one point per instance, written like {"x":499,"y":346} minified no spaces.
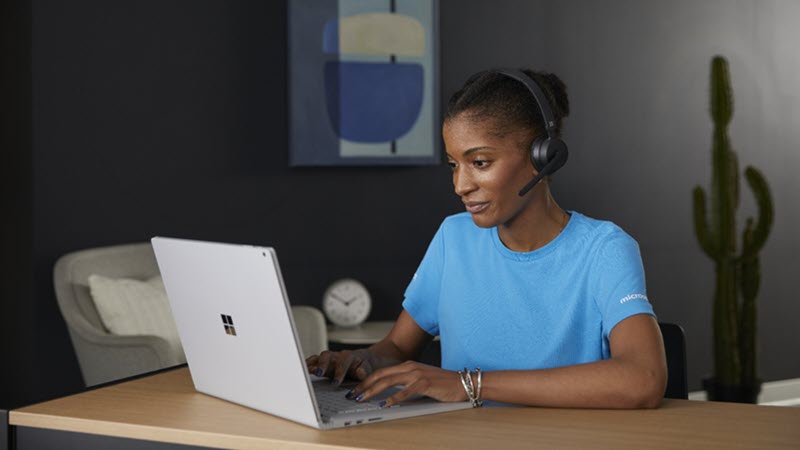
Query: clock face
{"x":346,"y":303}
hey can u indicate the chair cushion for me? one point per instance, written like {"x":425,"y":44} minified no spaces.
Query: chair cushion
{"x":134,"y":307}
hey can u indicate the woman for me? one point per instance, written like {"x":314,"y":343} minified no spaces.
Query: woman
{"x":549,"y":304}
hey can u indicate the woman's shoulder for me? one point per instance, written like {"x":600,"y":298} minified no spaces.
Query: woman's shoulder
{"x":600,"y":231}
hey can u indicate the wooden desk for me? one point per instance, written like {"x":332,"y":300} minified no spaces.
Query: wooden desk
{"x":166,"y":408}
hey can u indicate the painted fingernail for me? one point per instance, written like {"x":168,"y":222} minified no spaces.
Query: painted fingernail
{"x":360,"y":396}
{"x":349,"y":394}
{"x":382,"y":404}
{"x":318,"y":372}
{"x":335,"y":381}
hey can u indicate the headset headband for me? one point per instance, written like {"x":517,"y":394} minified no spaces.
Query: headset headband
{"x":538,"y":95}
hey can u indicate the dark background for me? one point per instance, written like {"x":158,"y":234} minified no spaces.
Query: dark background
{"x":128,"y":119}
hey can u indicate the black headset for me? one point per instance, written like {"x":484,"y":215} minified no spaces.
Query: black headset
{"x":548,"y":154}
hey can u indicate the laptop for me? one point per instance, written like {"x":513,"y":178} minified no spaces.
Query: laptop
{"x":235,"y":323}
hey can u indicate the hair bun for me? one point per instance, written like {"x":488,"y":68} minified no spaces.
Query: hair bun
{"x":555,"y":89}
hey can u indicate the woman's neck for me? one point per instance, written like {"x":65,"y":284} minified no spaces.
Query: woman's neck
{"x":535,"y":226}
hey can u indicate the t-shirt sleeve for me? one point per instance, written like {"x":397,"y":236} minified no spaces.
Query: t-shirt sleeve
{"x":422,"y":294}
{"x":619,"y":283}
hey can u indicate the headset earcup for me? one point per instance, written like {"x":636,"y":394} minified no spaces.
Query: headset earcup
{"x":539,"y":153}
{"x":546,"y":151}
{"x":557,"y":154}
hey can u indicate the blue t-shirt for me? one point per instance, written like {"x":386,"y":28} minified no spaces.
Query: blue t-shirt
{"x":498,"y":309}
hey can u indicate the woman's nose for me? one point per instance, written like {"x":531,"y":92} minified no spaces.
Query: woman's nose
{"x":463,"y":183}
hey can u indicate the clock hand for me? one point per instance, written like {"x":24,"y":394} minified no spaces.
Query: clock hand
{"x":347,"y":303}
{"x":340,"y":299}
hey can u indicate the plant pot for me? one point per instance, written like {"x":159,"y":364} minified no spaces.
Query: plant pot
{"x":724,"y":393}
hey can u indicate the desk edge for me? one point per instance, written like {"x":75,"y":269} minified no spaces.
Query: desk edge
{"x":157,"y":433}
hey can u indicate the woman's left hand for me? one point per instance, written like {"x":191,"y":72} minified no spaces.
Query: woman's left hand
{"x":418,"y":378}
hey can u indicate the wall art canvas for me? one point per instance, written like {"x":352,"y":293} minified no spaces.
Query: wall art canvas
{"x":363,"y":82}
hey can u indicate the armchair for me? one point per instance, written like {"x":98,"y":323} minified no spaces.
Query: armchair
{"x":103,"y":356}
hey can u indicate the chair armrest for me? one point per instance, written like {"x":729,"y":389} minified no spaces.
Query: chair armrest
{"x":106,"y":357}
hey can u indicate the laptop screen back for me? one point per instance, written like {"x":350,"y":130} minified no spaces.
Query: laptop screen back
{"x":235,"y":325}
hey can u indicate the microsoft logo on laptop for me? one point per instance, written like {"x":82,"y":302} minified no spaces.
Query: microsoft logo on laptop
{"x":227,"y":321}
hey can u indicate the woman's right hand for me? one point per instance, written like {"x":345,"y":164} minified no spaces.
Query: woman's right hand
{"x":355,"y":364}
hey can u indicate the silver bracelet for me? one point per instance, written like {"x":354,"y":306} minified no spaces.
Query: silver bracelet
{"x":478,"y":401}
{"x":468,"y":377}
{"x":467,"y":387}
{"x":466,"y":381}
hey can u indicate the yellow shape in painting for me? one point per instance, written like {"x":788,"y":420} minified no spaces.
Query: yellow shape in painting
{"x":381,"y":34}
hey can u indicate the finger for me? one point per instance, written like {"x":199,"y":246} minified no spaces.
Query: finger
{"x":417,"y":387}
{"x":341,"y":368}
{"x":323,"y":363}
{"x":311,"y":363}
{"x":361,"y":371}
{"x":357,"y":362}
{"x":383,"y":384}
{"x":379,"y":374}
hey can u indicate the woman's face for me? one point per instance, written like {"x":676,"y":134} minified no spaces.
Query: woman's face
{"x":488,"y":170}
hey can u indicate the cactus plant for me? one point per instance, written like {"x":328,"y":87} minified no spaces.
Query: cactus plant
{"x":737,"y":274}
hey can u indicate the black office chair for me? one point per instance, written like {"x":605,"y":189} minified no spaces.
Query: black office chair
{"x":675,"y":348}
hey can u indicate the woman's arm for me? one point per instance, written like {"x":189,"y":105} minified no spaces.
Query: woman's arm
{"x":405,"y":341}
{"x":634,"y":377}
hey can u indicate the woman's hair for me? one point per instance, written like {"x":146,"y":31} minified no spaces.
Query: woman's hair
{"x":506,"y":101}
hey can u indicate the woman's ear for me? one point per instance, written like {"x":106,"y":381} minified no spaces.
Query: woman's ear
{"x":531,"y":166}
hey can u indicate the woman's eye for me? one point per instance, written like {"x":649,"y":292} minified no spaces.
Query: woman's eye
{"x":452,"y":164}
{"x":480,"y":163}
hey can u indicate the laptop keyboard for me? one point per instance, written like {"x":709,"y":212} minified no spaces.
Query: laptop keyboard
{"x":331,"y":399}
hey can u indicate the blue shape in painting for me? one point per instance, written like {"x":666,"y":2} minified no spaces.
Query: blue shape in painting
{"x":373,"y":102}
{"x":330,"y":36}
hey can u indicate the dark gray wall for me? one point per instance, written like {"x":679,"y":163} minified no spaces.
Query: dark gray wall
{"x":641,"y":132}
{"x":16,"y":187}
{"x":169,"y":118}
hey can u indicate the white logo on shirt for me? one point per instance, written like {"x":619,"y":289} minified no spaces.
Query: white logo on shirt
{"x":628,"y":298}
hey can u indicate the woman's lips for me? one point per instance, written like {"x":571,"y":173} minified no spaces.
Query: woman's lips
{"x":476,"y":207}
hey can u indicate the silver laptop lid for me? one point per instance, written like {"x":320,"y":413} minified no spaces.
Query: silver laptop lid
{"x":234,"y":321}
